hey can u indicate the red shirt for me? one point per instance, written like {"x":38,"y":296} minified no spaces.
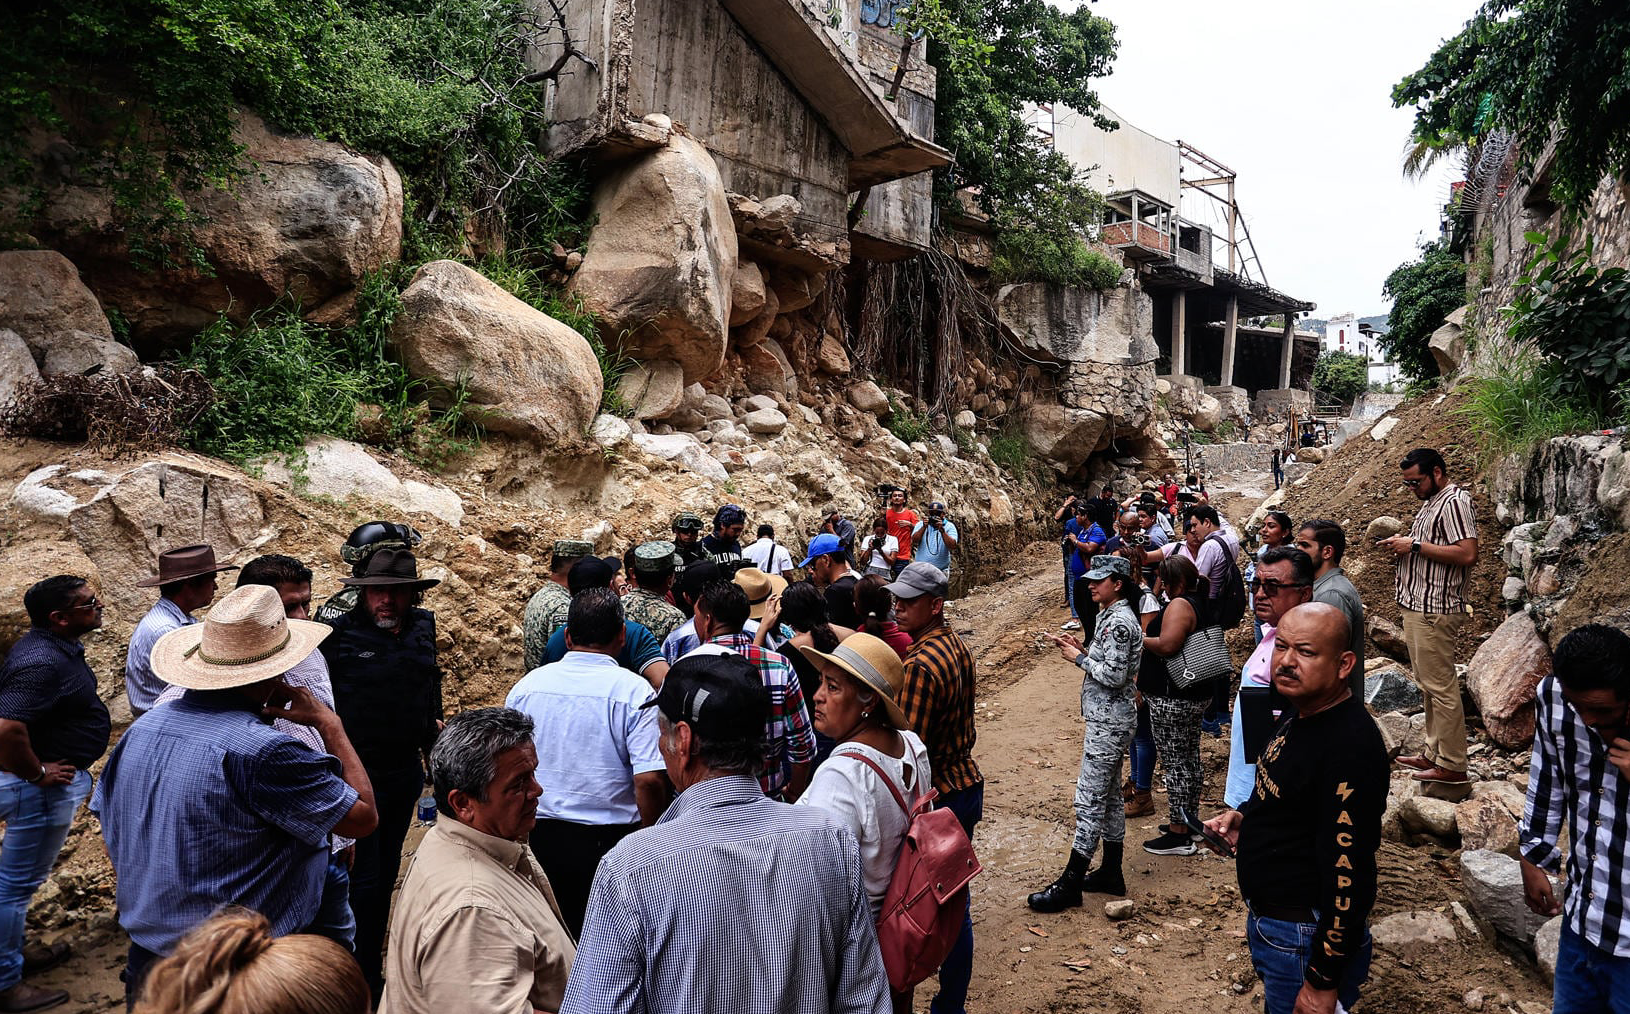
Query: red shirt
{"x":901,"y":522}
{"x":1170,"y":493}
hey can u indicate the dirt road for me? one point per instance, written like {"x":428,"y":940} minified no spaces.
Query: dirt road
{"x":1184,"y":949}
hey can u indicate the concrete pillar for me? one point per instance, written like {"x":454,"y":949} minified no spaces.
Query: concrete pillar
{"x":1230,"y":337}
{"x":1180,"y":306}
{"x":1286,"y":348}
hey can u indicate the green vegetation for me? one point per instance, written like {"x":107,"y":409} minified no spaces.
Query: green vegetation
{"x":1341,"y":375}
{"x":1025,"y":255}
{"x":993,"y":57}
{"x":1576,"y":317}
{"x":907,"y":425}
{"x":1424,"y":292}
{"x":1534,"y":69}
{"x":1517,"y":406}
{"x":1011,"y":450}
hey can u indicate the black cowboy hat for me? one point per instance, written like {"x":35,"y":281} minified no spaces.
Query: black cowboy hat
{"x":391,"y":566}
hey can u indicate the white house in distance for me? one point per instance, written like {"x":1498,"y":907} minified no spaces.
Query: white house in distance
{"x":1345,"y":333}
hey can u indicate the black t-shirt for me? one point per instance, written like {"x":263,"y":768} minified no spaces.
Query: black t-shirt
{"x":840,"y":602}
{"x":46,"y":685}
{"x":387,"y":688}
{"x":1154,"y":678}
{"x":1312,"y":827}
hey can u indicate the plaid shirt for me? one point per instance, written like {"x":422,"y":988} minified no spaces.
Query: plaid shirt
{"x":789,"y":738}
{"x":1427,"y":586}
{"x":1571,"y":779}
{"x":938,"y":702}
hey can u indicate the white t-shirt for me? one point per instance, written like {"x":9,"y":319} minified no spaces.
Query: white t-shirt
{"x":875,"y":551}
{"x":852,"y":792}
{"x":769,"y":556}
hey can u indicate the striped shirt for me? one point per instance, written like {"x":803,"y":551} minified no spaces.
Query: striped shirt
{"x":789,"y":735}
{"x":938,"y":702}
{"x":1428,"y":586}
{"x":1570,"y":776}
{"x":730,"y":902}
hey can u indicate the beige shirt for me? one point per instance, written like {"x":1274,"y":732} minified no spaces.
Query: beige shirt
{"x":476,"y":928}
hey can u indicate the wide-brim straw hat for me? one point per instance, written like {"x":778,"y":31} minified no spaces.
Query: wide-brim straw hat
{"x":876,"y":665}
{"x":245,"y":639}
{"x":183,"y":563}
{"x":759,"y":586}
{"x":391,"y":566}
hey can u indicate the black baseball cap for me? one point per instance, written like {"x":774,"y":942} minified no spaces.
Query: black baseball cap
{"x":721,"y":697}
{"x":696,"y":577}
{"x":589,"y":572}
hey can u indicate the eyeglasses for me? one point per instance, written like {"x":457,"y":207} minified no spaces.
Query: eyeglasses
{"x":1413,"y":483}
{"x":1272,"y":588}
{"x":91,"y":603}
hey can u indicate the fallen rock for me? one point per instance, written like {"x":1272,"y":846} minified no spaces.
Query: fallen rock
{"x":768,"y":421}
{"x":1493,"y":883}
{"x":525,"y":373}
{"x":1383,"y":527}
{"x":341,"y":469}
{"x":747,"y":293}
{"x":1486,"y":822}
{"x":1404,"y":735}
{"x":608,"y":431}
{"x":1391,"y":689}
{"x":831,"y":357}
{"x":946,"y":445}
{"x":868,"y":397}
{"x":307,"y":223}
{"x":766,"y":461}
{"x":17,"y":370}
{"x":1547,"y":942}
{"x":758,"y":328}
{"x":1381,"y":429}
{"x":794,"y":289}
{"x":1310,"y":455}
{"x":1410,"y":934}
{"x":1207,"y":412}
{"x":80,"y":352}
{"x":759,"y":403}
{"x":1425,"y":815}
{"x":44,"y":302}
{"x":966,"y":420}
{"x":652,"y":390}
{"x":1120,"y":908}
{"x":1512,"y":590}
{"x":661,"y":260}
{"x":1063,"y":435}
{"x":1502,"y":677}
{"x":762,"y":372}
{"x":1386,"y":635}
{"x":683,"y":450}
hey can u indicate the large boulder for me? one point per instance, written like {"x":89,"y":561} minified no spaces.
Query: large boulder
{"x":747,"y":293}
{"x":1207,"y":413}
{"x":1064,"y":436}
{"x":17,"y":370}
{"x":1493,"y":883}
{"x":525,"y":373}
{"x":661,"y":260}
{"x":1390,"y":688}
{"x":1448,"y":344}
{"x":122,"y":520}
{"x":869,"y":398}
{"x":308,"y":221}
{"x":684,"y":452}
{"x":1488,"y":820}
{"x":340,"y":469}
{"x":83,"y":352}
{"x":652,"y":390}
{"x":1502,"y":677}
{"x":21,"y":565}
{"x":43,"y":300}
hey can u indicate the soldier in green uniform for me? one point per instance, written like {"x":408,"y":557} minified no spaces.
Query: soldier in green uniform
{"x":547,"y":609}
{"x":647,"y":602}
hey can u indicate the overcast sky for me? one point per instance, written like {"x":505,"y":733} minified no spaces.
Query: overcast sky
{"x":1295,"y":98}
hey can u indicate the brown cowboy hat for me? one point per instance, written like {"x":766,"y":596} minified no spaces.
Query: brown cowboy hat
{"x":183,"y":563}
{"x":759,"y":586}
{"x":391,"y":566}
{"x":243,"y":640}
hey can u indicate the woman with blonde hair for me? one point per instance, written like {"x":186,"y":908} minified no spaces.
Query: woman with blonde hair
{"x":233,"y":965}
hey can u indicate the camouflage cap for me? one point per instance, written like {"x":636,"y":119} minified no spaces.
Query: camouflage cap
{"x":687,"y":520}
{"x":572,"y":549}
{"x":654,"y":557}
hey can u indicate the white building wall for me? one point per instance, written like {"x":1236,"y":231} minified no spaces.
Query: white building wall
{"x":1115,"y":160}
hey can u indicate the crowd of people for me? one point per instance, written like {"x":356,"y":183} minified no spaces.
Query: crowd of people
{"x":696,"y":794}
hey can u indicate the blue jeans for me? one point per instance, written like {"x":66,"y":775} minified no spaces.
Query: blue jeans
{"x":335,"y":919}
{"x":1279,"y":951}
{"x":1143,"y":751}
{"x":37,"y":821}
{"x":1589,"y":980}
{"x":957,"y":971}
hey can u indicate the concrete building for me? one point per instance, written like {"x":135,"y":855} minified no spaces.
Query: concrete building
{"x":1346,"y":333}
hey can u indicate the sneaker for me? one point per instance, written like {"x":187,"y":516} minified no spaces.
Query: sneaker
{"x":1071,"y":625}
{"x":1171,"y":844}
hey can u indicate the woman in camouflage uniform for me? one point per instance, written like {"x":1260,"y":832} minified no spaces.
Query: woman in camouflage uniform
{"x":1111,"y":665}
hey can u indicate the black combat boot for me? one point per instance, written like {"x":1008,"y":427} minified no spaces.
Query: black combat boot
{"x":1107,"y":879}
{"x":1065,"y":892}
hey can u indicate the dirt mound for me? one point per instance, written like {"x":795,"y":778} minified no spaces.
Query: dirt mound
{"x":1358,"y":482}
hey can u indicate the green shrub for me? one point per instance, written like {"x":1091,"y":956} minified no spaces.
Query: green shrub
{"x":1518,"y":406}
{"x":1576,"y":316}
{"x":1026,"y":256}
{"x":1341,"y":375}
{"x":907,"y":425}
{"x":1011,"y":450}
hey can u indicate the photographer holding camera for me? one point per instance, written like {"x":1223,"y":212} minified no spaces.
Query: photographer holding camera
{"x":934,"y":539}
{"x":834,"y":523}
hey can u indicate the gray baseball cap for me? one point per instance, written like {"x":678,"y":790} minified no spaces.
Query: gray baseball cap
{"x":919,"y":579}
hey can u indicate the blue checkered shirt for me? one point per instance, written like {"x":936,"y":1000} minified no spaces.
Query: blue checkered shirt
{"x":204,"y":804}
{"x":732,"y":902}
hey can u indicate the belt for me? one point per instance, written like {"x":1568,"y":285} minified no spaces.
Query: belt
{"x":1283,"y":913}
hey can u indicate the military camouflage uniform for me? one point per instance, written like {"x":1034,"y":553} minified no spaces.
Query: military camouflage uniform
{"x":658,"y":616}
{"x":544,"y":613}
{"x":1111,"y":664}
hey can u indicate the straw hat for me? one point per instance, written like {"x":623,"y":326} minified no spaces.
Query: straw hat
{"x":876,"y":665}
{"x":759,"y":586}
{"x":243,"y":640}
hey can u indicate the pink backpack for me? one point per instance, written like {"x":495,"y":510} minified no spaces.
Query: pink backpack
{"x":928,"y":895}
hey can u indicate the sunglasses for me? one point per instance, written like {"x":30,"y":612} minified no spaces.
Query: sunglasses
{"x":1272,"y":588}
{"x":91,"y":603}
{"x":1413,"y":483}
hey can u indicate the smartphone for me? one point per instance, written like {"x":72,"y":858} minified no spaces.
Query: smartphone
{"x":1216,"y":840}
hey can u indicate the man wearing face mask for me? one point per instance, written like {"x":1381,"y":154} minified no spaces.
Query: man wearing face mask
{"x":387,"y":691}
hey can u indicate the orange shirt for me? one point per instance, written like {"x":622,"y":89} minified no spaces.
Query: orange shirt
{"x":901,"y":522}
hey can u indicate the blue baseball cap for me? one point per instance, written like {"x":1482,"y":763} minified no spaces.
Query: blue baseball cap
{"x":822,"y":545}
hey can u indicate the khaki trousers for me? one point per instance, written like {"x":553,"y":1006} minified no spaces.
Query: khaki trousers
{"x":1431,"y":638}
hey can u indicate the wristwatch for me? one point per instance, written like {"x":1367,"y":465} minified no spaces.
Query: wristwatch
{"x":1415,"y":547}
{"x":37,"y":779}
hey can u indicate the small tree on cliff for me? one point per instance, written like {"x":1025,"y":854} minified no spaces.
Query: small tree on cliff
{"x":993,"y":57}
{"x":1342,"y":375}
{"x":1424,"y":291}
